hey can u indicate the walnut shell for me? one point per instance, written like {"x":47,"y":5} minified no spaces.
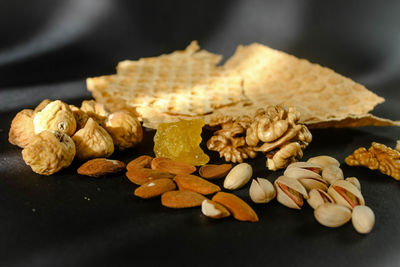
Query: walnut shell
{"x":55,"y":116}
{"x":124,"y":129}
{"x":49,"y":152}
{"x":21,"y":130}
{"x":93,"y":141}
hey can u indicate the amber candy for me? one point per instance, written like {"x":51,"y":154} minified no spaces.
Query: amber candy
{"x":181,"y":141}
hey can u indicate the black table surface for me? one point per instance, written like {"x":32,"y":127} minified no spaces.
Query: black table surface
{"x":48,"y":49}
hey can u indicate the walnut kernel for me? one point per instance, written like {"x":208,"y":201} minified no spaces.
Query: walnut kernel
{"x":49,"y":152}
{"x":55,"y":116}
{"x":22,"y":130}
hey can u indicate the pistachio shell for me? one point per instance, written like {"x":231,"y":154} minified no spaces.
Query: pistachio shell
{"x":324,"y":161}
{"x":354,"y":181}
{"x":261,"y":191}
{"x":317,"y":197}
{"x":307,"y":178}
{"x":363,"y":219}
{"x":349,"y":188}
{"x":332,"y":173}
{"x":238,"y":176}
{"x":306,"y":165}
{"x":332,"y":215}
{"x":292,"y":184}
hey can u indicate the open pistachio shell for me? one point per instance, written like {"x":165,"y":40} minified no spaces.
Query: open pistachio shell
{"x":317,"y":197}
{"x":346,"y":194}
{"x":332,"y":173}
{"x":261,"y":190}
{"x":324,"y":161}
{"x":290,"y":192}
{"x":354,"y":181}
{"x":307,"y":178}
{"x":332,"y":215}
{"x":306,"y":165}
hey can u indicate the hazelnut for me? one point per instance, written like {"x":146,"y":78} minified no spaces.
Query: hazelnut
{"x":93,"y":141}
{"x":124,"y":129}
{"x":49,"y":152}
{"x":21,"y":130}
{"x":95,"y":110}
{"x":55,"y":116}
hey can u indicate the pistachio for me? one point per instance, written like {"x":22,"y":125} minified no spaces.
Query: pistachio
{"x":324,"y":161}
{"x":345,"y":193}
{"x":290,"y":192}
{"x":363,"y":219}
{"x":332,"y":173}
{"x":354,"y":181}
{"x":317,"y":197}
{"x":306,"y":165}
{"x":307,"y":178}
{"x":262,"y":190}
{"x":332,"y":215}
{"x":238,"y":176}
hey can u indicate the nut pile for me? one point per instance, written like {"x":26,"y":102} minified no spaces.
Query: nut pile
{"x":321,"y":183}
{"x":274,"y":131}
{"x":179,"y":188}
{"x":54,"y":133}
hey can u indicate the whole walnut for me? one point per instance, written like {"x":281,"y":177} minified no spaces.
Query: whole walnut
{"x":124,"y":129}
{"x":55,"y":116}
{"x":95,"y":110}
{"x":93,"y":141}
{"x":22,"y":130}
{"x":49,"y":151}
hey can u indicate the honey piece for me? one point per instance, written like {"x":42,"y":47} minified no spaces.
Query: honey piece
{"x":180,"y":141}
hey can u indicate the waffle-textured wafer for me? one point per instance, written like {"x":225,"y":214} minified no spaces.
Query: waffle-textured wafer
{"x":181,"y":83}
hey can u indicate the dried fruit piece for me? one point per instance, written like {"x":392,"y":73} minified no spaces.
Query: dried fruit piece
{"x":49,"y":152}
{"x":124,"y":129}
{"x":92,"y":141}
{"x":140,"y":176}
{"x":181,"y":199}
{"x":180,"y":141}
{"x":55,"y":116}
{"x":42,"y":105}
{"x":140,"y":162}
{"x":212,"y":171}
{"x":195,"y":184}
{"x":101,"y":167}
{"x":172,"y":166}
{"x":80,"y":116}
{"x":155,"y":188}
{"x":240,"y":209}
{"x":95,"y":110}
{"x":22,"y":131}
{"x":214,"y":210}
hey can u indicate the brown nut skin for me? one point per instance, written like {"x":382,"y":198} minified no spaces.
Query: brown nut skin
{"x":49,"y":152}
{"x":143,"y":161}
{"x":55,"y":116}
{"x":239,"y":209}
{"x":124,"y":129}
{"x":22,"y":131}
{"x":93,"y":141}
{"x":155,"y":188}
{"x":101,"y":167}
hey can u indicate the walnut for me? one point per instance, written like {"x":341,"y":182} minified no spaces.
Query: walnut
{"x":80,"y":117}
{"x":42,"y":105}
{"x":93,"y":141}
{"x":124,"y":129}
{"x":230,"y":142}
{"x":22,"y":130}
{"x":377,"y":157}
{"x":95,"y":110}
{"x":55,"y":116}
{"x":49,"y":152}
{"x":288,"y":153}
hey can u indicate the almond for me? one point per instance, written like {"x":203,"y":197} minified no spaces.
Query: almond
{"x":155,"y":188}
{"x":240,"y":209}
{"x":213,"y":209}
{"x":212,"y":171}
{"x":101,"y":167}
{"x":172,"y":166}
{"x":181,"y":199}
{"x":140,"y":176}
{"x":141,"y":162}
{"x":195,"y":184}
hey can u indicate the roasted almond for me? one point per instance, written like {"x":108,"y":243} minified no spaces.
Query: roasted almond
{"x":140,"y":176}
{"x":240,"y":209}
{"x":181,"y":199}
{"x":213,"y":209}
{"x":101,"y":167}
{"x":172,"y":166}
{"x":195,"y":184}
{"x":155,"y":188}
{"x":212,"y":171}
{"x":140,"y":162}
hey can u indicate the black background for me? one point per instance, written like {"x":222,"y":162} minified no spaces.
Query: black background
{"x":48,"y":48}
